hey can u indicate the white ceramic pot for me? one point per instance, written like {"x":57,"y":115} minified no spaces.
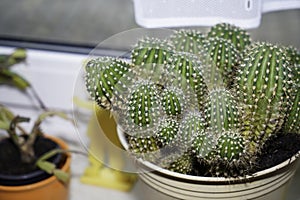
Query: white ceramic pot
{"x":269,"y":184}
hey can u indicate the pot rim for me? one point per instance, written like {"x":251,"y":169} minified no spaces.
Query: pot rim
{"x":212,"y":180}
{"x":46,"y":181}
{"x":33,"y":174}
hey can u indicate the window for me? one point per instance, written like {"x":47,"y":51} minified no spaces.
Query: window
{"x":69,"y":23}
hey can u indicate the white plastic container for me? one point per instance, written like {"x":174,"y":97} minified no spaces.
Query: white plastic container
{"x":179,"y":13}
{"x":269,"y":184}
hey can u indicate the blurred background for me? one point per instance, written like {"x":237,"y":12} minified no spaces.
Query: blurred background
{"x":89,"y":22}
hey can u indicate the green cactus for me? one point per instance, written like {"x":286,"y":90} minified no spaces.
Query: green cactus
{"x":151,"y":51}
{"x":239,"y":37}
{"x":221,"y":59}
{"x":167,"y":132}
{"x":187,"y":73}
{"x":204,"y":144}
{"x":293,"y":55}
{"x":175,"y":101}
{"x":183,"y":164}
{"x":192,"y":124}
{"x":140,"y":144}
{"x":102,"y":75}
{"x":172,"y":103}
{"x":292,"y":120}
{"x":230,"y":157}
{"x":263,"y":86}
{"x":221,"y":110}
{"x":189,"y":41}
{"x":230,"y":146}
{"x":143,"y":107}
{"x":146,"y":142}
{"x":201,"y":106}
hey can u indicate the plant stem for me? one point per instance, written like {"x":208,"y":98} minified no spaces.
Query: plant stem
{"x":25,"y":146}
{"x":37,"y":97}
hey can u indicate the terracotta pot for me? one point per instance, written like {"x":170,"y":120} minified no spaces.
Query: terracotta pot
{"x":269,"y":184}
{"x":48,"y":189}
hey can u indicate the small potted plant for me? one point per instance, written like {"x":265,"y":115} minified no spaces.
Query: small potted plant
{"x":10,"y":78}
{"x":202,"y":113}
{"x":33,"y":165}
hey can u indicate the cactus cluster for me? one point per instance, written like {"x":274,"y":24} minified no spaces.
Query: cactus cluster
{"x":196,"y":99}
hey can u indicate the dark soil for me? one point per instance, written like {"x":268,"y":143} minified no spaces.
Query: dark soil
{"x":278,"y":149}
{"x":10,"y":162}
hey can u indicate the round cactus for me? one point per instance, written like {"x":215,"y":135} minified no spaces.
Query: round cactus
{"x":230,"y":156}
{"x":204,"y":144}
{"x":142,"y":144}
{"x":142,"y":110}
{"x":102,"y":75}
{"x":143,"y":105}
{"x":191,"y":125}
{"x":221,"y":110}
{"x":221,"y":60}
{"x":151,"y":51}
{"x":239,"y":37}
{"x":188,"y":76}
{"x":230,"y":146}
{"x":189,"y":41}
{"x":167,"y":132}
{"x":182,"y":164}
{"x":176,"y":102}
{"x":172,"y":103}
{"x":263,"y":86}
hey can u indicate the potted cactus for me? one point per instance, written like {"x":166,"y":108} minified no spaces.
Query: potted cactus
{"x":201,"y":112}
{"x":33,"y":165}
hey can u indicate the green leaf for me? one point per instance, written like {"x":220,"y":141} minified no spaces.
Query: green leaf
{"x":8,"y":60}
{"x":61,"y":175}
{"x":46,"y":114}
{"x":51,"y":114}
{"x":49,"y":154}
{"x":18,"y":56}
{"x":50,"y":168}
{"x":46,"y":166}
{"x":8,"y":77}
{"x":6,"y":116}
